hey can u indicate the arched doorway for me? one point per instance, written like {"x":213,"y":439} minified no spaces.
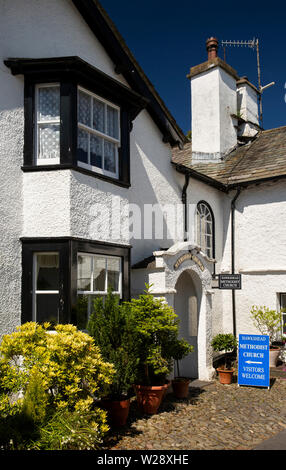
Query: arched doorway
{"x":182,"y":275}
{"x":187,"y":307}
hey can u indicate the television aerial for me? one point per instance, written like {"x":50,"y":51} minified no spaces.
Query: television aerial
{"x":252,"y":44}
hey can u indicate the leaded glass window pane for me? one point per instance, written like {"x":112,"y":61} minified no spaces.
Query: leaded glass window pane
{"x":49,"y":141}
{"x":112,"y":122}
{"x":84,"y":108}
{"x":109,"y":156}
{"x":49,"y":103}
{"x":82,"y":146}
{"x":48,"y":124}
{"x":96,"y":151}
{"x":98,"y":115}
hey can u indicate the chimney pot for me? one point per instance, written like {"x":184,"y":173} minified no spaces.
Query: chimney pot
{"x":212,"y":47}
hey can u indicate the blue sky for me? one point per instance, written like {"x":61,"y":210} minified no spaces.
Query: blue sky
{"x":168,"y":37}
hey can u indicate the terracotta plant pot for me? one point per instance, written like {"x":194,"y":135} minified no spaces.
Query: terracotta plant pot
{"x":225,"y":376}
{"x":181,"y":387}
{"x":273,"y":356}
{"x":149,"y":397}
{"x":118,"y":410}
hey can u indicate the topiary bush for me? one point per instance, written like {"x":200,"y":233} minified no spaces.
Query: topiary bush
{"x":43,"y":373}
{"x":155,"y":338}
{"x":224,"y":342}
{"x":180,"y":350}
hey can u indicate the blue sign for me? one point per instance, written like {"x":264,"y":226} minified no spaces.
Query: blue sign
{"x":253,"y":360}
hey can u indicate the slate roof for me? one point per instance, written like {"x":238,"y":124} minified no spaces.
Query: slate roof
{"x":262,"y":159}
{"x":148,"y":262}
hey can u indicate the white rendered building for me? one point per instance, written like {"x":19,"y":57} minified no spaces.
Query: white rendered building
{"x":99,"y":186}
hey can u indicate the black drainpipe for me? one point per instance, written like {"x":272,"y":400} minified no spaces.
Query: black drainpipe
{"x":238,"y":191}
{"x":184,"y":201}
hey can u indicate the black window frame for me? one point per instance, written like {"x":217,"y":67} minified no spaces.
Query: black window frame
{"x":71,"y":73}
{"x":68,"y":249}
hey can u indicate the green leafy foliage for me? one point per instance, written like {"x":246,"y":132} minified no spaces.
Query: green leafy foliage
{"x":43,"y":373}
{"x":224,"y":342}
{"x":112,"y":327}
{"x":155,"y":336}
{"x":267,"y":321}
{"x":68,"y":430}
{"x":36,"y":399}
{"x":181,"y":349}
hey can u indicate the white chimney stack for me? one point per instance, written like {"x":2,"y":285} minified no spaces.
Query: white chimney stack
{"x":214,"y":105}
{"x":247,"y":106}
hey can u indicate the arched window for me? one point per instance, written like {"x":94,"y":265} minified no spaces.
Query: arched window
{"x":205,"y":228}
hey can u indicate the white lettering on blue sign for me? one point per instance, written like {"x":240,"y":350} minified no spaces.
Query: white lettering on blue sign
{"x":253,"y":360}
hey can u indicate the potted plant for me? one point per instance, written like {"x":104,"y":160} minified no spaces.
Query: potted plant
{"x":180,"y":384}
{"x":268,"y":322}
{"x":225,"y":342}
{"x":155,"y":336}
{"x":111,"y":327}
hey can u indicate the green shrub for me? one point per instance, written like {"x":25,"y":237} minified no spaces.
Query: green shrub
{"x":155,"y":337}
{"x":224,"y":342}
{"x":267,"y":321}
{"x":112,"y":327}
{"x":74,"y":430}
{"x":42,"y":373}
{"x":180,"y":350}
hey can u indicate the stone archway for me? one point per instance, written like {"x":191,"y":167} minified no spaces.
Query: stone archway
{"x":162,"y":271}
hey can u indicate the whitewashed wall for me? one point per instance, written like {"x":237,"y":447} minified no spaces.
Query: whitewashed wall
{"x":11,"y":198}
{"x":260,"y":252}
{"x":247,"y":103}
{"x":46,"y":204}
{"x":260,"y":248}
{"x":96,"y":203}
{"x":218,"y":201}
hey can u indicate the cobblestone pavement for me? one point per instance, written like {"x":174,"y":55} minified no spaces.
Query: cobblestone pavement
{"x":214,"y":417}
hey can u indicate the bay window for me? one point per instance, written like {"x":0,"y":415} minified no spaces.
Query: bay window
{"x":76,"y":117}
{"x":62,"y":276}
